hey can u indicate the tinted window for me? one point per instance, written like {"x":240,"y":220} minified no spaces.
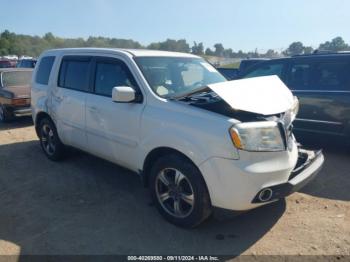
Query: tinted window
{"x":331,"y":76}
{"x":229,"y":73}
{"x":74,"y":74}
{"x":300,"y":77}
{"x":246,"y":64}
{"x":266,"y":70}
{"x":19,"y":78}
{"x":111,"y":74}
{"x":44,"y":70}
{"x":28,"y":63}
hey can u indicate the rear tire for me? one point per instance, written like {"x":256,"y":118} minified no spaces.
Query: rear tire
{"x":51,"y":144}
{"x":179,"y":191}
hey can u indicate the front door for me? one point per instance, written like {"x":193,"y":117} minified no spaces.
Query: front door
{"x":112,"y":128}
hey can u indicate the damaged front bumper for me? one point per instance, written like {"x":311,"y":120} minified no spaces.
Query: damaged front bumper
{"x":308,"y":165}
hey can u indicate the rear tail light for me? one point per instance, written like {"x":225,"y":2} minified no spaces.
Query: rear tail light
{"x":20,"y":101}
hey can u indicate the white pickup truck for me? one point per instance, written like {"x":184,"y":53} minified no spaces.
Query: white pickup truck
{"x":197,"y":140}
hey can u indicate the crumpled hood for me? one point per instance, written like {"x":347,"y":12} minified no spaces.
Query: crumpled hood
{"x":266,"y":95}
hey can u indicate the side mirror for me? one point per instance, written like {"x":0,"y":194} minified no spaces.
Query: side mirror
{"x":123,"y":94}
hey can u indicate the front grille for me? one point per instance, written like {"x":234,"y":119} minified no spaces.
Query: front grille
{"x":284,"y":121}
{"x":287,"y":119}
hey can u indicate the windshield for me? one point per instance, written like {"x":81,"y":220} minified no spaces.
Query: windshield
{"x":19,"y":78}
{"x":175,"y":76}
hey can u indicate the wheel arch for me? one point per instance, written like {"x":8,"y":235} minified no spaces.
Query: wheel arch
{"x":41,"y":115}
{"x":156,"y":153}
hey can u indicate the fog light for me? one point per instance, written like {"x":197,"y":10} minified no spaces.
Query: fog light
{"x":265,"y":195}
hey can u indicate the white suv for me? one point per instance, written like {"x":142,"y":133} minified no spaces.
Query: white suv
{"x":197,"y":140}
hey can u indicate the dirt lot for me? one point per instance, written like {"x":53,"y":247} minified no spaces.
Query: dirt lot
{"x":85,"y":205}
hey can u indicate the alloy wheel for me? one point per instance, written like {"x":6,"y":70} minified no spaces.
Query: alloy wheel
{"x":174,"y":192}
{"x":48,"y":140}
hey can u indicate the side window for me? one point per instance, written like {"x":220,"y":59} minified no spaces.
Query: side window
{"x":266,"y":70}
{"x":44,"y":70}
{"x":300,"y":77}
{"x":74,"y":73}
{"x":332,"y":76}
{"x":109,"y":74}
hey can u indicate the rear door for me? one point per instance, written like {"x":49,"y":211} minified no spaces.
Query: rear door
{"x":69,"y":98}
{"x":322,"y":85}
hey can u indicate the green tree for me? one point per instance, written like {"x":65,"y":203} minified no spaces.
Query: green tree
{"x":308,"y":50}
{"x":295,"y":48}
{"x":219,"y":49}
{"x":197,"y":49}
{"x":171,"y":45}
{"x":271,"y":54}
{"x":49,"y":37}
{"x":210,"y":52}
{"x":228,"y":52}
{"x":337,"y":44}
{"x":11,"y":43}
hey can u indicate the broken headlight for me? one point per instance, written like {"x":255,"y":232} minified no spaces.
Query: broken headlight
{"x":257,"y":136}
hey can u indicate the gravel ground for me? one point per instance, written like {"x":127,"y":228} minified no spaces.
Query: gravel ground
{"x":85,"y":205}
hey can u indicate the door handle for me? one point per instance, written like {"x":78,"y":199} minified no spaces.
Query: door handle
{"x":58,"y":99}
{"x":93,"y":109}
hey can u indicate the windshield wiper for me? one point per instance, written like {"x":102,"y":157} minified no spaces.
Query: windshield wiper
{"x":193,"y":92}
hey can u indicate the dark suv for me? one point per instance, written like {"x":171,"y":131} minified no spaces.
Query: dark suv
{"x":26,"y":63}
{"x":245,"y":64}
{"x":322,"y":84}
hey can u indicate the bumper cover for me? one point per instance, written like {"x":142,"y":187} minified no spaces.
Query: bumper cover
{"x":308,"y":165}
{"x":26,"y":111}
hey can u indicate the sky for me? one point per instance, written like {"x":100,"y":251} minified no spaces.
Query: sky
{"x":237,"y":24}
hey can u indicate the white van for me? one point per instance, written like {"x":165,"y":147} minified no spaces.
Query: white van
{"x":197,"y":140}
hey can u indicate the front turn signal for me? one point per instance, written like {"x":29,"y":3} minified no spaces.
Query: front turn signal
{"x":235,"y":138}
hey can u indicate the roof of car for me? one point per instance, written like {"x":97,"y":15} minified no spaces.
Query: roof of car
{"x":307,"y":56}
{"x":132,"y":52}
{"x":255,"y":59}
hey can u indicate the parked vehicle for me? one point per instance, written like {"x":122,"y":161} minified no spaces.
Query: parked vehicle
{"x":26,"y":63}
{"x":197,"y":140}
{"x":246,"y":64}
{"x":4,"y":63}
{"x":228,"y":73}
{"x":321,"y":81}
{"x":14,"y":93}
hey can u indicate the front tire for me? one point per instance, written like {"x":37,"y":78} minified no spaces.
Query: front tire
{"x":5,"y":116}
{"x":49,"y":140}
{"x":179,"y":191}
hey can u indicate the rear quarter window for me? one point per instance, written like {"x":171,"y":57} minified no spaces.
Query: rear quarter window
{"x":44,"y":70}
